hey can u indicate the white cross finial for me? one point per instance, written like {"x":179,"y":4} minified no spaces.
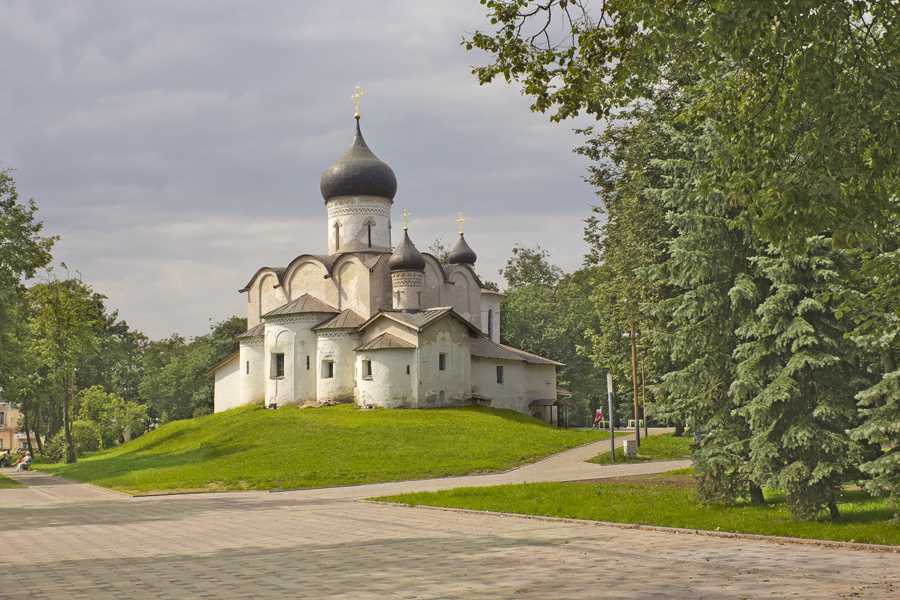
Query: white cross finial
{"x":461,"y":219}
{"x":358,"y":93}
{"x":405,"y":219}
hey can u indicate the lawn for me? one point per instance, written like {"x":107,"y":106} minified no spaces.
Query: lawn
{"x":657,"y":447}
{"x":668,"y":499}
{"x":6,"y":482}
{"x":253,"y":448}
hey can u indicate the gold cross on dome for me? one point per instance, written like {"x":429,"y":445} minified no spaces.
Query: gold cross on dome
{"x":405,"y":219}
{"x":358,"y":93}
{"x":461,"y":219}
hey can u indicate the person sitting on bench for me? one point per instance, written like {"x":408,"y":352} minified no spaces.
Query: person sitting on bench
{"x":25,"y":463}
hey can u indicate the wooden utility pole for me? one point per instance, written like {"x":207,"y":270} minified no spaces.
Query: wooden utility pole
{"x":634,"y":385}
{"x":611,"y":417}
{"x":644,"y":400}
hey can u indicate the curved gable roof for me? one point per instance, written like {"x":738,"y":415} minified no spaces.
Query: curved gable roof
{"x":278,"y":272}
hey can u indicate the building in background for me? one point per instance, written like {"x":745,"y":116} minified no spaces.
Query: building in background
{"x":10,"y":436}
{"x":375,"y":323}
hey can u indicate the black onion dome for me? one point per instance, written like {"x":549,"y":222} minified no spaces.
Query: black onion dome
{"x":462,"y":254}
{"x":358,"y":173}
{"x":406,"y":257}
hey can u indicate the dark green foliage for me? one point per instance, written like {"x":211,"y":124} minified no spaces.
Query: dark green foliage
{"x":23,"y":251}
{"x":803,"y":95}
{"x":176,"y":383}
{"x":87,"y":435}
{"x":796,"y":379}
{"x":548,"y":312}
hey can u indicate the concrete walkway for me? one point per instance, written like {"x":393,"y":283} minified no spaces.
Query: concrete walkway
{"x":41,"y":488}
{"x":569,"y":465}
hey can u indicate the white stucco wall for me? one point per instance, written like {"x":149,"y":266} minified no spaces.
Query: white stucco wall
{"x":511,"y":393}
{"x":263,"y":295}
{"x":252,"y":379}
{"x":293,"y":336}
{"x":522,"y":382}
{"x":464,"y":293}
{"x":352,"y":279}
{"x":339,"y":347}
{"x":490,"y":314}
{"x":434,"y":290}
{"x":390,"y":386}
{"x":451,"y":386}
{"x":353,"y":213}
{"x":540,"y":382}
{"x":407,"y":289}
{"x":226,"y":390}
{"x":308,"y":276}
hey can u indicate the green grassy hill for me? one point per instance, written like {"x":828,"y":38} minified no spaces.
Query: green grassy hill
{"x":252,"y":448}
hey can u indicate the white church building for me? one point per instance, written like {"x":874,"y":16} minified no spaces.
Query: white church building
{"x":375,"y":323}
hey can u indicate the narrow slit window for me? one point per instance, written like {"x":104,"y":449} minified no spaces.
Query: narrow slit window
{"x":442,"y":361}
{"x":500,"y":374}
{"x":490,"y":322}
{"x":247,"y":367}
{"x":367,"y":369}
{"x":407,"y":369}
{"x":307,"y":362}
{"x":369,"y":228}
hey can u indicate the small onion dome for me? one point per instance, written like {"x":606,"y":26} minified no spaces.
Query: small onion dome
{"x":406,"y":257}
{"x":462,"y":254}
{"x":358,"y":173}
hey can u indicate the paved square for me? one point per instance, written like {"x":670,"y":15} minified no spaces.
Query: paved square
{"x":297,"y":545}
{"x":61,"y":539}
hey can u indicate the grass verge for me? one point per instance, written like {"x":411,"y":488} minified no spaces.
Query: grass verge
{"x":657,"y":447}
{"x":6,"y":482}
{"x":669,"y":500}
{"x":253,"y":448}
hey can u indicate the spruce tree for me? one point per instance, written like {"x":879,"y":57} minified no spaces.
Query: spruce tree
{"x":796,"y":380}
{"x":875,"y":307}
{"x":706,"y":259}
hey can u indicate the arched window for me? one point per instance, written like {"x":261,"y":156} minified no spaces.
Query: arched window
{"x":337,"y":235}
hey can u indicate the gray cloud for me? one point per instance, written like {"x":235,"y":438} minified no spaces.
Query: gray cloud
{"x":177,"y":146}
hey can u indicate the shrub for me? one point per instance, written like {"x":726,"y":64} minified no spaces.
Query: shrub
{"x":87,"y":436}
{"x":55,"y":448}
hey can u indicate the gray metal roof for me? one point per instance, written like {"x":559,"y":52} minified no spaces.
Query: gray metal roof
{"x":420,"y":319}
{"x":386,"y":341}
{"x":462,"y":254}
{"x":346,"y":319}
{"x":485,"y":347}
{"x":358,"y":173}
{"x":406,"y":256}
{"x":303,"y":304}
{"x":255,"y":331}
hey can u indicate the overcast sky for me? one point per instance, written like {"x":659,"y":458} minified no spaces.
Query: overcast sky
{"x":177,"y":146}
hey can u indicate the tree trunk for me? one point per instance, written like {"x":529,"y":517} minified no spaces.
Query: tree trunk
{"x":26,"y":428}
{"x":679,"y":429}
{"x":833,"y":510}
{"x":756,"y":495}
{"x":67,"y":422}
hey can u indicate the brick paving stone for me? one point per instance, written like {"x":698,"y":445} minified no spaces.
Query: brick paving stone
{"x":327,"y":544}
